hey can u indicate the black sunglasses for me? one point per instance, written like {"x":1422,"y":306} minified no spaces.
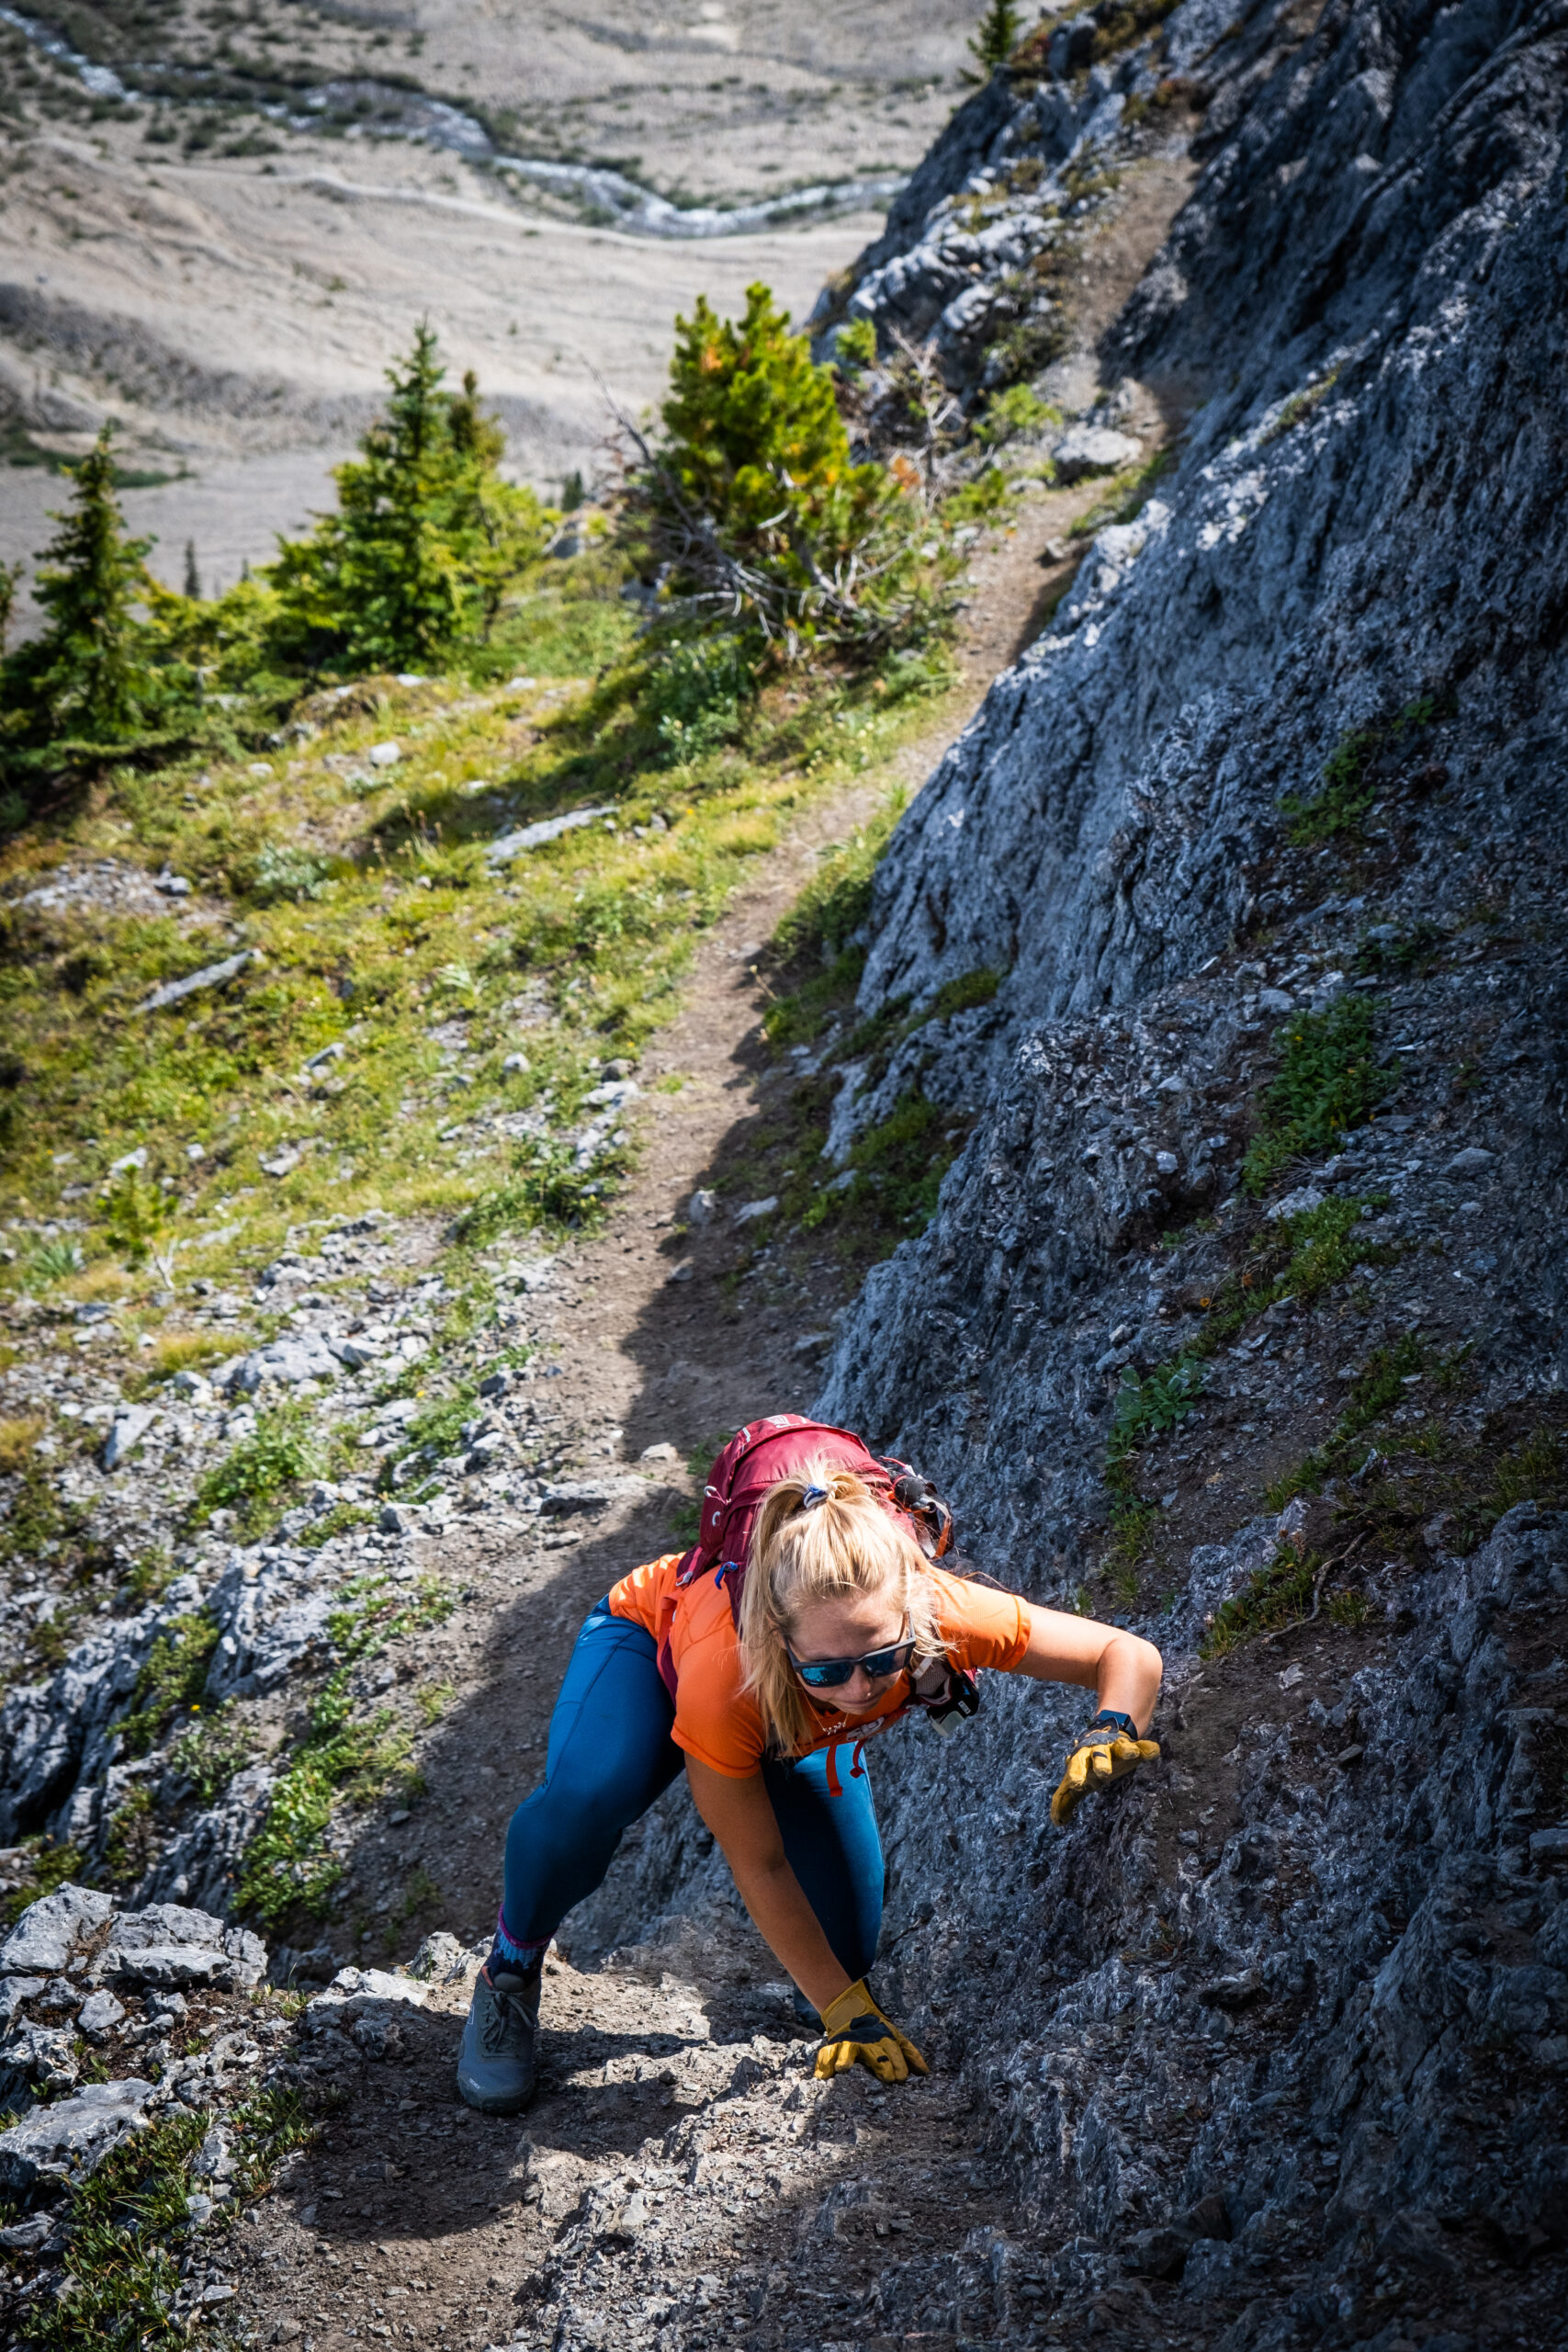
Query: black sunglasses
{"x":829,"y":1673}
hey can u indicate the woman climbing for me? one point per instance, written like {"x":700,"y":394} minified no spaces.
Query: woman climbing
{"x":811,"y":1615}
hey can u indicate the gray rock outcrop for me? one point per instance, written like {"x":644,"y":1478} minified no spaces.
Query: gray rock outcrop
{"x":1271,"y":2044}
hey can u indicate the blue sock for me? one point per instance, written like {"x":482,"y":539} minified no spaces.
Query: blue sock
{"x":513,"y":1957}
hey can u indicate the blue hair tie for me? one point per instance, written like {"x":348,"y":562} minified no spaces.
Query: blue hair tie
{"x":814,"y":1495}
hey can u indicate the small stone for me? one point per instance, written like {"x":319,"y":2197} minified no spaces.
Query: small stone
{"x":752,"y":1210}
{"x":683,"y":1274}
{"x":496,"y":1383}
{"x":172,"y":886}
{"x":1291,"y":1677}
{"x":283,"y":1164}
{"x":383,"y":755}
{"x":663,"y":1452}
{"x":130,"y":1425}
{"x":515,"y":1063}
{"x":1471,"y":1161}
{"x":98,"y":2014}
{"x":701,"y":1207}
{"x":1232,"y":1992}
{"x":811,"y":1343}
{"x":396,"y":1519}
{"x":1550,"y":1845}
{"x":1301,"y":1203}
{"x":1275,"y":1000}
{"x":1167,"y":1162}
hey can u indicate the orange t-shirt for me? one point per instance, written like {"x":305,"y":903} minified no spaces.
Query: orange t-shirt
{"x":717,"y":1722}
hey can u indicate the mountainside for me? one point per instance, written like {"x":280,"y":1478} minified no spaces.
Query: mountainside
{"x":1242,"y":1311}
{"x":1197,"y":1034}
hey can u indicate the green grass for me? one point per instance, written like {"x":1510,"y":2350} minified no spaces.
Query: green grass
{"x":375,"y":917}
{"x":1350,"y":783}
{"x":1272,"y":1598}
{"x":257,"y":1478}
{"x":128,"y":2226}
{"x":1329,"y":1082}
{"x":1124,"y":495}
{"x":341,"y":1760}
{"x":173,"y":1679}
{"x":1299,"y":407}
{"x":897,"y":1169}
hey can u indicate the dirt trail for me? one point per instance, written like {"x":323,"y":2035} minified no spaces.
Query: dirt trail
{"x":680,"y":2179}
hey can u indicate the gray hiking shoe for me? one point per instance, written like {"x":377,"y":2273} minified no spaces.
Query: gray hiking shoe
{"x":496,"y":2065}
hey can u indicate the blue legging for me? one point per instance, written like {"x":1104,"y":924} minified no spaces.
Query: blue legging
{"x":611,"y":1754}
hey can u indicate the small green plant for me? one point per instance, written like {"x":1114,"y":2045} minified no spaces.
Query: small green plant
{"x":261,"y":1472}
{"x":173,"y":1679}
{"x":854,"y":345}
{"x":210,"y":1753}
{"x":1012,"y":414}
{"x":1350,"y":782}
{"x":1271,"y":1599}
{"x":696,"y":695}
{"x":132,"y":1839}
{"x":1329,"y":1081}
{"x":1299,"y":407}
{"x":1349,"y":1609}
{"x":282,"y":871}
{"x":1148,"y":1408}
{"x":55,"y":1261}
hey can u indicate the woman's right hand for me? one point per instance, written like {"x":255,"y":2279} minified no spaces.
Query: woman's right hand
{"x":856,"y":2033}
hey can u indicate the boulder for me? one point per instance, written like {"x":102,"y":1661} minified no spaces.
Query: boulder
{"x":50,"y":1931}
{"x":67,"y":2141}
{"x":1093,"y":450}
{"x":168,"y":1947}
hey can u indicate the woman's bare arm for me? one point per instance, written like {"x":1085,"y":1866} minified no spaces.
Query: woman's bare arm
{"x":742,"y":1819}
{"x":1122,"y":1669}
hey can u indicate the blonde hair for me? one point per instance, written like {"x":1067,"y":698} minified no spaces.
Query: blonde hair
{"x":845,"y":1545}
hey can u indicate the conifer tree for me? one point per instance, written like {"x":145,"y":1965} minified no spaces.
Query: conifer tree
{"x":193,"y":575}
{"x":995,"y":37}
{"x":425,"y":535}
{"x":86,"y":676}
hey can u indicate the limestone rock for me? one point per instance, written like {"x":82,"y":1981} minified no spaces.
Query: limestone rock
{"x":52,"y":1932}
{"x":1093,"y":450}
{"x":66,"y":2141}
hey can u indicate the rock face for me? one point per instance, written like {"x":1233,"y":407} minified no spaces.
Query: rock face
{"x":1275,"y":2036}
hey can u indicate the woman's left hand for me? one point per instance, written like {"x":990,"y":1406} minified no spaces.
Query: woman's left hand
{"x":1104,"y":1754}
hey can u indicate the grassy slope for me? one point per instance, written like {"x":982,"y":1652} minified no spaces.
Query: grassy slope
{"x":377,"y":925}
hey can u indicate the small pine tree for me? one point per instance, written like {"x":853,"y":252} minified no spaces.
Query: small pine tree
{"x":752,"y":504}
{"x":425,"y":535}
{"x":995,"y":37}
{"x":193,"y":576}
{"x":572,"y":492}
{"x":87,"y":675}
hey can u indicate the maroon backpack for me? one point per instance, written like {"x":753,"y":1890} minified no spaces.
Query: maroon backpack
{"x":779,"y":1446}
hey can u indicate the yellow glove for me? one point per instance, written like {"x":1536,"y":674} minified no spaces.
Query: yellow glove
{"x":855,"y":2033}
{"x":1107,"y":1751}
